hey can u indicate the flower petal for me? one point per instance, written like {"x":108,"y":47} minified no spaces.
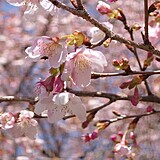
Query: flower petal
{"x":55,"y":114}
{"x":61,"y":98}
{"x":98,"y":60}
{"x":81,"y":77}
{"x":78,"y":108}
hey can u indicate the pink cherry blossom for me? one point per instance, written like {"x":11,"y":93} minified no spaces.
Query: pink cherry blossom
{"x":79,"y":65}
{"x":7,"y":120}
{"x":121,"y":150}
{"x":33,"y":7}
{"x":60,"y":105}
{"x":25,"y":125}
{"x":50,"y":48}
{"x":97,"y":34}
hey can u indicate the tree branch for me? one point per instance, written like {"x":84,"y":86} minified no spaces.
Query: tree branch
{"x":122,"y":117}
{"x":83,"y":14}
{"x":149,"y":73}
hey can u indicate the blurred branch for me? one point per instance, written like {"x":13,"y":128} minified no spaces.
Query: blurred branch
{"x":84,"y":14}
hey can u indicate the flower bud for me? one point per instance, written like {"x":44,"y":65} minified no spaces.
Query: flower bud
{"x":103,"y":8}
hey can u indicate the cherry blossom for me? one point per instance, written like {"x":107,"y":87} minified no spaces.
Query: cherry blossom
{"x":97,"y":34}
{"x":47,"y":47}
{"x":61,"y":104}
{"x":33,"y":7}
{"x":7,"y":120}
{"x":25,"y":125}
{"x":79,"y":65}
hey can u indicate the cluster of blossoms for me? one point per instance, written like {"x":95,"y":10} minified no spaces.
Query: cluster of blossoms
{"x":32,"y":8}
{"x":123,"y":148}
{"x":20,"y":124}
{"x":66,"y":68}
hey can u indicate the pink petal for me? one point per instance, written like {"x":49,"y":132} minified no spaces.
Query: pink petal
{"x":98,"y":60}
{"x":81,"y":77}
{"x":78,"y":108}
{"x":55,"y":114}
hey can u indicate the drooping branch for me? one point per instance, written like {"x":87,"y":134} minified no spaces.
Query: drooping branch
{"x":83,"y":14}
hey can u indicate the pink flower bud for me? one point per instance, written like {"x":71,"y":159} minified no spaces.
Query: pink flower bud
{"x":132,"y":135}
{"x":94,"y":135}
{"x":149,"y":109}
{"x":103,"y":8}
{"x":113,"y":137}
{"x":115,"y":63}
{"x":120,"y":133}
{"x":86,"y":137}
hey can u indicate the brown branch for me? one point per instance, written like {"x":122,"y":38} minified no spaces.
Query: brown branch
{"x":146,"y":40}
{"x":80,"y":5}
{"x":122,"y":117}
{"x":114,"y":97}
{"x":83,"y":14}
{"x":18,"y":99}
{"x":149,"y":73}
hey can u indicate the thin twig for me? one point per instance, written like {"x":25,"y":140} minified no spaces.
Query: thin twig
{"x":122,"y":117}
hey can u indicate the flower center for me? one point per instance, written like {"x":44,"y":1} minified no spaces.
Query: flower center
{"x":82,"y":62}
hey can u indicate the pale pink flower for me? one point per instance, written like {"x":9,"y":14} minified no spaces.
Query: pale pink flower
{"x":154,"y":33}
{"x":97,"y":35}
{"x":25,"y":125}
{"x":33,"y":7}
{"x":121,"y":149}
{"x":7,"y":120}
{"x":79,"y":65}
{"x":60,"y":105}
{"x":48,"y":47}
{"x":103,"y":7}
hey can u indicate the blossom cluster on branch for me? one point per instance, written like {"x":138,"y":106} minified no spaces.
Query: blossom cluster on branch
{"x":73,"y":61}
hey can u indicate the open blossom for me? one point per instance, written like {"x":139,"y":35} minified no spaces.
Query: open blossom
{"x":60,"y":105}
{"x":25,"y":125}
{"x":33,"y":7}
{"x":7,"y":120}
{"x":50,"y":48}
{"x":79,"y":65}
{"x":97,"y":34}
